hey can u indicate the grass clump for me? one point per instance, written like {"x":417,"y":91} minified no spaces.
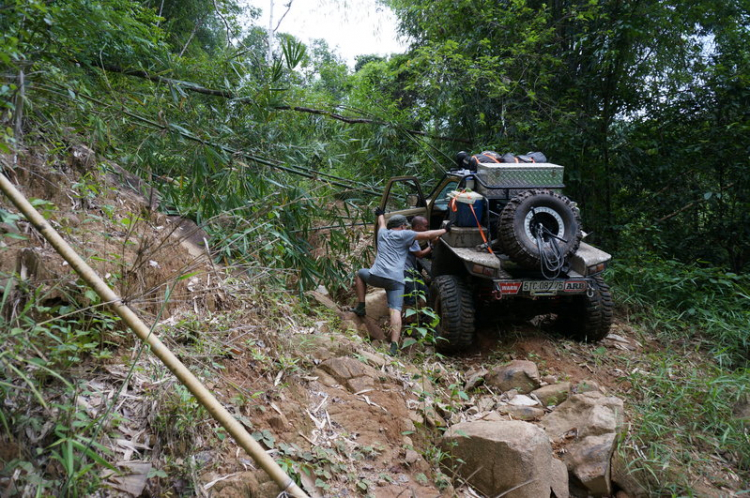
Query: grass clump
{"x":686,"y":392}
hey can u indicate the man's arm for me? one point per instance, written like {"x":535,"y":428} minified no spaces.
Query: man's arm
{"x":430,"y":234}
{"x":380,"y":221}
{"x":422,"y":252}
{"x":379,"y":218}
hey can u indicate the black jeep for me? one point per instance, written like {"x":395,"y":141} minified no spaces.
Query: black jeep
{"x":514,"y":249}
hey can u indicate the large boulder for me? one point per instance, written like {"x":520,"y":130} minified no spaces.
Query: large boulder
{"x":512,"y":458}
{"x":365,"y":326}
{"x":376,"y":304}
{"x":584,"y":429}
{"x":521,"y":375}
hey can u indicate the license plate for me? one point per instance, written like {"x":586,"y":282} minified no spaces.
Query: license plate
{"x":552,"y":287}
{"x":543,"y":287}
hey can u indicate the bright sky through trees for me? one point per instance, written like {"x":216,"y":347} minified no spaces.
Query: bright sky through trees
{"x":351,"y":27}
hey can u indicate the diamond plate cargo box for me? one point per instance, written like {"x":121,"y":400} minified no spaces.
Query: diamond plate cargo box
{"x":506,"y":180}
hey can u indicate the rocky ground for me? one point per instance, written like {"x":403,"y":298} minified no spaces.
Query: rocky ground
{"x":525,"y":410}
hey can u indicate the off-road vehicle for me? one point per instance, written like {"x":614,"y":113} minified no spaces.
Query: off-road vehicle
{"x":516,"y":251}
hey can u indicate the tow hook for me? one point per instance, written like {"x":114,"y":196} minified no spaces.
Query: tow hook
{"x":590,"y":291}
{"x":496,"y":294}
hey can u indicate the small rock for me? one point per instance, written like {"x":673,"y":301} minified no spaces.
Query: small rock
{"x":526,"y":413}
{"x":486,"y":403}
{"x":618,"y":338}
{"x":376,"y":304}
{"x":521,"y":375}
{"x":549,"y":379}
{"x":497,"y":456}
{"x":475,"y":379}
{"x":202,"y":458}
{"x":374,"y":359}
{"x":322,"y":327}
{"x":553,"y":394}
{"x":323,"y":300}
{"x":279,"y":423}
{"x":411,"y":457}
{"x":362,"y":383}
{"x":472,"y":411}
{"x":522,"y":400}
{"x":597,"y":421}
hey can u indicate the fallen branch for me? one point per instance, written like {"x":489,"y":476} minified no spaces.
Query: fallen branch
{"x":248,"y":100}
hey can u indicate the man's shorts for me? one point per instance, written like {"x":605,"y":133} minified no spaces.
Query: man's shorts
{"x":393,"y":290}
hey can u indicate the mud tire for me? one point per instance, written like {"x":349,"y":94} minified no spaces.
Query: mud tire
{"x":517,"y":221}
{"x":589,"y":316}
{"x":451,"y":299}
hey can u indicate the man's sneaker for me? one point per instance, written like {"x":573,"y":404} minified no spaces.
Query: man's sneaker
{"x":394,"y":349}
{"x":360,"y":309}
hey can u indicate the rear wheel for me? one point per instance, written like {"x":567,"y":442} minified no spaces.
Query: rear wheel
{"x":452,"y":301}
{"x":589,"y":316}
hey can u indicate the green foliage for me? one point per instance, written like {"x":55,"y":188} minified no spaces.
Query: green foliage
{"x":37,"y":401}
{"x":112,"y":31}
{"x":687,"y":303}
{"x":684,"y":405}
{"x":198,"y":27}
{"x":683,"y":412}
{"x":421,"y":319}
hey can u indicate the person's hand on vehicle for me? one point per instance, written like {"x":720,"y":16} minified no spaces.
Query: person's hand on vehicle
{"x":447,"y":226}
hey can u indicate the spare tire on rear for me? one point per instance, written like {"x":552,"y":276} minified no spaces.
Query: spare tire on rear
{"x":534,"y":222}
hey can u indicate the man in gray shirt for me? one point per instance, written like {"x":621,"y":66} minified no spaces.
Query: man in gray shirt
{"x":394,"y":241}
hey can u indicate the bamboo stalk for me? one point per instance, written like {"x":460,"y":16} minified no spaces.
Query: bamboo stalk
{"x":201,"y":393}
{"x":20,"y":99}
{"x":194,"y":87}
{"x":314,"y":175}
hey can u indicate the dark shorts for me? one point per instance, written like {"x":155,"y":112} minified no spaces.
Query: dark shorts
{"x":393,"y":290}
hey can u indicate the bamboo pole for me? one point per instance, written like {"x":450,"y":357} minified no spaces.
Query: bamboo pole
{"x":201,"y":393}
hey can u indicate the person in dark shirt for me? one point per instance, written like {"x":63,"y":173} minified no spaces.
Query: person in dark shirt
{"x":414,"y":281}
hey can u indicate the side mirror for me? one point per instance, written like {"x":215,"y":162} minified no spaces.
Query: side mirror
{"x":412,"y":200}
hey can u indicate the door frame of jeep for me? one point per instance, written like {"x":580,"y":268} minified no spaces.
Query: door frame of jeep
{"x":419,"y":207}
{"x":434,"y":207}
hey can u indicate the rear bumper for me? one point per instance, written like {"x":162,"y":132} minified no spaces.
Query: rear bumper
{"x":499,"y":289}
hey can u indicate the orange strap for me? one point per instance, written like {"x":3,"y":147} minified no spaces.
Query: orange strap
{"x":494,"y":159}
{"x":452,"y":202}
{"x":481,"y":231}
